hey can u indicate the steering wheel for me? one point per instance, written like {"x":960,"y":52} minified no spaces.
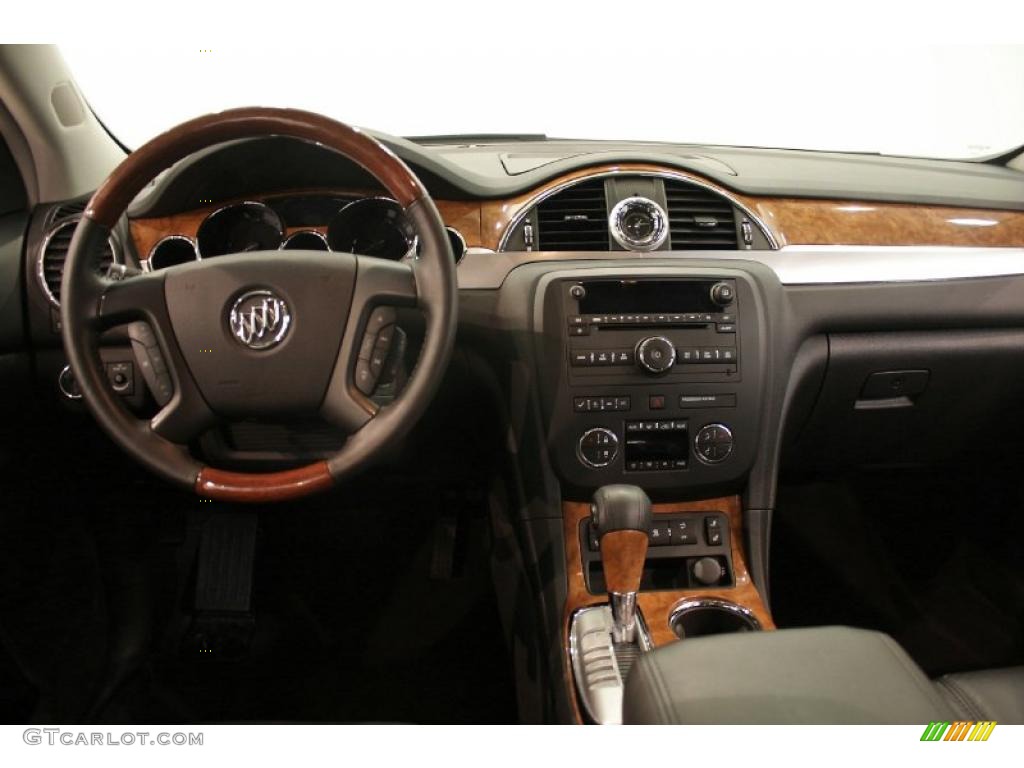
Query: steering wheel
{"x":265,"y":333}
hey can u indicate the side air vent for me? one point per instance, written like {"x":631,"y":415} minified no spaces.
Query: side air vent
{"x":698,"y":218}
{"x":67,"y":210}
{"x":55,"y":251}
{"x":575,"y":219}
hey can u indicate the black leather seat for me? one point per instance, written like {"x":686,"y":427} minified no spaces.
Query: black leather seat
{"x":989,"y":694}
{"x":821,"y":675}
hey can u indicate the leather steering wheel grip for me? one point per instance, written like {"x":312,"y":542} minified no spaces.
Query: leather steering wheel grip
{"x":436,"y":295}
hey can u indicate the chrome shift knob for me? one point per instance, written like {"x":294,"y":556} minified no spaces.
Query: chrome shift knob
{"x":622,"y":518}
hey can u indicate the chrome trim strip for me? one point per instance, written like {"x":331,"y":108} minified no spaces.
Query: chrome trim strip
{"x":836,"y":264}
{"x":41,"y":272}
{"x":666,"y":174}
{"x":794,"y":264}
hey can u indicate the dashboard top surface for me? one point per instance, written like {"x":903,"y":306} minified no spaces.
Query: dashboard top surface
{"x":489,"y":171}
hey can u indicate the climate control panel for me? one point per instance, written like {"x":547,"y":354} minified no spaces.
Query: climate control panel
{"x":658,"y":379}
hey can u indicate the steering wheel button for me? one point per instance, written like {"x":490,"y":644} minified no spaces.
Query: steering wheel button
{"x":381,"y":316}
{"x":377,"y":364}
{"x":364,"y":377}
{"x":366,"y":346}
{"x":382,"y":346}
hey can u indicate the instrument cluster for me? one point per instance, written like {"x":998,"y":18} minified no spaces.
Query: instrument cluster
{"x":368,"y":226}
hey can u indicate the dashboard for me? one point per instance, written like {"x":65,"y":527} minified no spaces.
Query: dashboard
{"x":608,"y":268}
{"x":692,"y":322}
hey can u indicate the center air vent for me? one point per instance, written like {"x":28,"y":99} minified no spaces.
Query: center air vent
{"x":699,"y":219}
{"x":575,"y":219}
{"x":55,"y":251}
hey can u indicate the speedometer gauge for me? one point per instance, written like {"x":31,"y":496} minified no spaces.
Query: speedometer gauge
{"x":239,"y":228}
{"x":374,"y":226}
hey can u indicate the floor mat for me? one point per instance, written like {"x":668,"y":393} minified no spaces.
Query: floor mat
{"x":934,"y":559}
{"x":351,"y":627}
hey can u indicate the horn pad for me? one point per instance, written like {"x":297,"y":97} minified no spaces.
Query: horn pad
{"x":261,"y":331}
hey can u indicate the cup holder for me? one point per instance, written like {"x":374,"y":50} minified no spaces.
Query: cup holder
{"x":699,"y":618}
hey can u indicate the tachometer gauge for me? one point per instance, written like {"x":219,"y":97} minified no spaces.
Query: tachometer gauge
{"x":374,"y":226}
{"x":239,"y":229}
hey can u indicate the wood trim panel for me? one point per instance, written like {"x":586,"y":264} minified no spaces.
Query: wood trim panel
{"x":147,"y":232}
{"x":812,"y":221}
{"x":656,"y":607}
{"x":791,"y":221}
{"x":851,"y":222}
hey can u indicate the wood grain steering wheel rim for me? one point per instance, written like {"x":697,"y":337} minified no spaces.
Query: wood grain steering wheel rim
{"x":91,"y":304}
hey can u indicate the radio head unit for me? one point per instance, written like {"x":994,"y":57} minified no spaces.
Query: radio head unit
{"x":679,"y":329}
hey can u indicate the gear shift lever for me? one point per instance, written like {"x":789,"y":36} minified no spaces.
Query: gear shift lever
{"x":622,"y":518}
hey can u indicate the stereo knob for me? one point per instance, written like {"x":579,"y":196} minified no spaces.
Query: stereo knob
{"x":656,"y":354}
{"x":708,"y":571}
{"x":722,"y":294}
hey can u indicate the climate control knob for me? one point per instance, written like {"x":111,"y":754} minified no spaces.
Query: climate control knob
{"x":655,"y":354}
{"x":598,"y":447}
{"x":713,"y":443}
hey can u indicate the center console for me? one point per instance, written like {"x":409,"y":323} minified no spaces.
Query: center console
{"x":658,"y":377}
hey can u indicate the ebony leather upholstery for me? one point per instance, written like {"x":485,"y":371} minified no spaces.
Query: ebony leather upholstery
{"x":989,"y":694}
{"x":821,"y":675}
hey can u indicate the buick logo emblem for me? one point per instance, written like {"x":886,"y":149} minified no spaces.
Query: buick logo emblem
{"x":259,"y":319}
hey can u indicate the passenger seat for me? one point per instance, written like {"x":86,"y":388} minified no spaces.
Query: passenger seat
{"x":819,"y":675}
{"x":989,"y":694}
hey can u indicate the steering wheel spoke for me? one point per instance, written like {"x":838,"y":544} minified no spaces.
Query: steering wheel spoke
{"x":140,"y":297}
{"x":185,"y":417}
{"x":392,"y":283}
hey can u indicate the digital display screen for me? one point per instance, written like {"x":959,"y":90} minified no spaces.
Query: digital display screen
{"x":609,"y":297}
{"x":657,"y":445}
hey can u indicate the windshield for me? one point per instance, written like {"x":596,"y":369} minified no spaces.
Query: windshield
{"x":962,"y":102}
